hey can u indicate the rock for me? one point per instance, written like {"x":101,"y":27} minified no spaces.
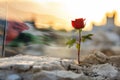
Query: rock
{"x":117,"y":77}
{"x":5,"y":73}
{"x":96,"y":57}
{"x":36,"y":69}
{"x":105,"y":70}
{"x":21,"y":67}
{"x":66,"y":63}
{"x":13,"y":77}
{"x":100,"y":55}
{"x":115,"y":60}
{"x":57,"y":75}
{"x":2,"y":75}
{"x":47,"y":67}
{"x":99,"y":78}
{"x":75,"y":68}
{"x":101,"y":67}
{"x":64,"y":75}
{"x":27,"y":75}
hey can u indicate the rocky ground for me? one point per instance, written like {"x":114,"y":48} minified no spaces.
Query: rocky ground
{"x":95,"y":66}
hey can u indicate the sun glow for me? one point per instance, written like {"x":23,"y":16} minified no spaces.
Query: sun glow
{"x":95,"y":11}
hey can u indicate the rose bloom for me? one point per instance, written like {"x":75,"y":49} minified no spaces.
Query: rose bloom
{"x":78,"y":23}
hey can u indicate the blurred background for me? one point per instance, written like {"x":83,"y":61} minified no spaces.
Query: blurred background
{"x":42,"y":27}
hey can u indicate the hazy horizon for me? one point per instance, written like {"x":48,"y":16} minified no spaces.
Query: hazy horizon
{"x":59,"y":13}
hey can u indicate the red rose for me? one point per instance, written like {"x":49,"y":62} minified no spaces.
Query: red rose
{"x":78,"y":23}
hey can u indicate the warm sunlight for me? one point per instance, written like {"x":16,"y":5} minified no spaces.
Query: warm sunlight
{"x":94,"y":11}
{"x":65,"y":10}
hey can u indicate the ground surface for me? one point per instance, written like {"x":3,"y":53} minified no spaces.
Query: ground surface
{"x":95,"y":66}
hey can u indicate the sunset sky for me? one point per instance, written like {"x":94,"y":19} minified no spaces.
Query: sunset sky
{"x":59,"y":13}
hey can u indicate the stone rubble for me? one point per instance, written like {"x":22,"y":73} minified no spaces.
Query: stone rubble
{"x":26,"y":67}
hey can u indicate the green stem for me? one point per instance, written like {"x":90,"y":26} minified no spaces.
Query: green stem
{"x":79,"y":43}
